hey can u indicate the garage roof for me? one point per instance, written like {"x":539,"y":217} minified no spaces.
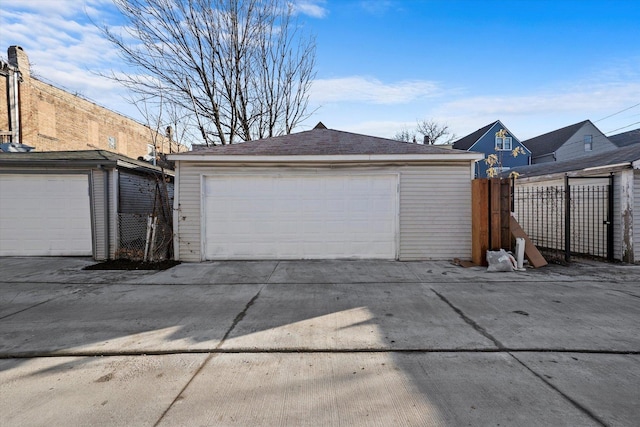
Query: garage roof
{"x":83,"y":158}
{"x":319,"y":143}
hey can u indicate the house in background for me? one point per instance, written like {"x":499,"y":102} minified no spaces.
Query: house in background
{"x":570,"y":142}
{"x":496,"y":139}
{"x":77,"y":203}
{"x":323,"y":194}
{"x":625,"y":139}
{"x":38,"y":115}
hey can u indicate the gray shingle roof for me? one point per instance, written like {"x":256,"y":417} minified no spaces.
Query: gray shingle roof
{"x":551,"y":141}
{"x":613,"y":157}
{"x":71,"y":158}
{"x":626,"y":138}
{"x":321,"y":142}
{"x":466,"y":142}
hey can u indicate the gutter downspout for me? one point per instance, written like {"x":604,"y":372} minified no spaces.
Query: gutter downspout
{"x":14,"y":104}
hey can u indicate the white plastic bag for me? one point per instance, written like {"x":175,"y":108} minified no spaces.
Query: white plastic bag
{"x":501,"y":261}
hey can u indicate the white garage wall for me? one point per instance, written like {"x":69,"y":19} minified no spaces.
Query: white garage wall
{"x":435,"y":212}
{"x":636,"y":215}
{"x":435,"y":207}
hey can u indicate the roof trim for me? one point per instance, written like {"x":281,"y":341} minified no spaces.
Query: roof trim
{"x":467,"y":156}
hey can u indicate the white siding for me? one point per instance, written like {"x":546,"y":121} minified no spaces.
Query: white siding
{"x":618,"y":220}
{"x":435,"y":212}
{"x":435,"y":207}
{"x":97,"y":213}
{"x":187,"y":209}
{"x":636,"y":215}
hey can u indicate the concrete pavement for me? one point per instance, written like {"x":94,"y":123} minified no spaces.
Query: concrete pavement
{"x":318,"y":343}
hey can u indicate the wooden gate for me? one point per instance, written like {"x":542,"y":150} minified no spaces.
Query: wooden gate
{"x":491,"y":213}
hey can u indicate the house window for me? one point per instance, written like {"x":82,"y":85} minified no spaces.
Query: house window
{"x":112,"y":142}
{"x":503,"y":143}
{"x":588,"y":142}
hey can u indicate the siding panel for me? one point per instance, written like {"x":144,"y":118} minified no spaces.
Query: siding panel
{"x":636,"y":215}
{"x":97,"y":211}
{"x":435,"y":212}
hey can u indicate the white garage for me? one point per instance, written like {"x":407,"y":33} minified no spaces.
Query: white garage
{"x":45,"y":215}
{"x":300,"y":216}
{"x":323,"y":194}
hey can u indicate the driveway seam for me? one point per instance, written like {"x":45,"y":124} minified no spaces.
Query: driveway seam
{"x":273,"y":271}
{"x":211,"y":355}
{"x":166,"y":411}
{"x":33,"y":355}
{"x":37,"y":305}
{"x":576,"y":404}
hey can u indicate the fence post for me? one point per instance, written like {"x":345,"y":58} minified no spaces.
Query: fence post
{"x":567,"y":219}
{"x":513,"y":193}
{"x":610,"y":220}
{"x":480,"y":220}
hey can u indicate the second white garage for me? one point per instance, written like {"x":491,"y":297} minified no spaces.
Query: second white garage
{"x":45,"y":215}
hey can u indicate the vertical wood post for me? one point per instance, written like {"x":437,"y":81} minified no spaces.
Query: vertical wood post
{"x":505,"y":214}
{"x":495,"y":227}
{"x":479,"y":221}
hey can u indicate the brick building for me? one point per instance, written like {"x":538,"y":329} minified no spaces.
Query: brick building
{"x":43,"y":116}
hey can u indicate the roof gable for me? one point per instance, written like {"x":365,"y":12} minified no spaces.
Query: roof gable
{"x":551,"y":141}
{"x":468,"y":141}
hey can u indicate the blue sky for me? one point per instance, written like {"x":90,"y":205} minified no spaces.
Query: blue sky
{"x":536,"y":65}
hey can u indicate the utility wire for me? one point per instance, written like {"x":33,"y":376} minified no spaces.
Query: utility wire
{"x":616,"y":113}
{"x":623,"y":127}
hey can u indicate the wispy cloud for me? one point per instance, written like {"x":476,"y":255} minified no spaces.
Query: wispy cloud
{"x":313,"y":8}
{"x":371,"y":90}
{"x":66,"y":50}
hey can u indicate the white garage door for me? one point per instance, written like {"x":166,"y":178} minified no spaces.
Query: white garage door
{"x":300,"y":216}
{"x":45,"y":215}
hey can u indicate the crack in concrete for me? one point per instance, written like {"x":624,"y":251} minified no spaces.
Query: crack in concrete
{"x":240,"y":316}
{"x":470,"y":321}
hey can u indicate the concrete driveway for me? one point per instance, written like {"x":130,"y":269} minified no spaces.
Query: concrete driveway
{"x":318,"y":343}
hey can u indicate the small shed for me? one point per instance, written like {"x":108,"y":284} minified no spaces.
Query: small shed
{"x":323,"y":194}
{"x":75,"y":203}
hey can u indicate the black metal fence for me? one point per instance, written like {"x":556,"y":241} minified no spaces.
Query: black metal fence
{"x":568,"y":220}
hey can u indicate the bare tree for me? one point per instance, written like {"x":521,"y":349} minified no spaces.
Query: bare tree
{"x":405,"y":135}
{"x":430,"y":131}
{"x":435,"y":132}
{"x":236,"y":70}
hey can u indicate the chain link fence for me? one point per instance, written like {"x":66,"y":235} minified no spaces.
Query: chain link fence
{"x":143,"y":238}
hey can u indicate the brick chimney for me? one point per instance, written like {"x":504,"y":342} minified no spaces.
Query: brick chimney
{"x":19,"y":59}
